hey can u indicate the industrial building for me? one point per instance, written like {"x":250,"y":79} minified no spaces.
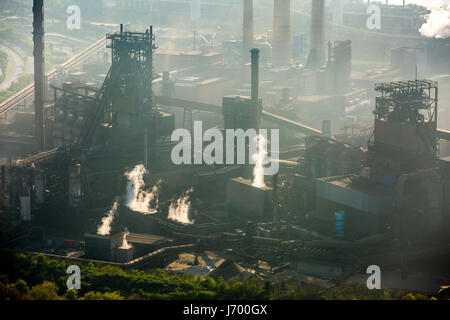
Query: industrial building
{"x":88,"y":148}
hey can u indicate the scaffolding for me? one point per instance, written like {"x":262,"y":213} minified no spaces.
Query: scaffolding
{"x":405,"y":129}
{"x":414,"y":101}
{"x":125,"y":98}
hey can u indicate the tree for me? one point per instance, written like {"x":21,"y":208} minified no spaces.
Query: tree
{"x":71,"y":294}
{"x":91,"y":295}
{"x":45,"y":291}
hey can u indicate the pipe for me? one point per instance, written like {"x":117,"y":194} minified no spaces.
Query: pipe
{"x":281,"y":52}
{"x":38,"y":40}
{"x":255,"y":88}
{"x":247,"y":34}
{"x":318,"y":30}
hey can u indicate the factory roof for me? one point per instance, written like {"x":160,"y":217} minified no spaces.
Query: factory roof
{"x":145,"y":238}
{"x":445,"y":161}
{"x":357,"y":183}
{"x":187,"y":53}
{"x":316,"y":98}
{"x":193,"y":81}
{"x":357,"y":192}
{"x":250,"y":183}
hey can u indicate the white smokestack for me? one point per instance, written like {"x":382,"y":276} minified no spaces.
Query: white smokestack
{"x":281,"y":51}
{"x":179,"y":210}
{"x":138,"y":199}
{"x":438,"y":24}
{"x":105,"y":228}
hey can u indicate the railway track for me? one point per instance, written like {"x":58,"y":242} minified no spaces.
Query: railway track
{"x":28,"y":92}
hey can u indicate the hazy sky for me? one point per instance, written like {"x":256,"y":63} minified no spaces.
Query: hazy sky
{"x":432,"y":4}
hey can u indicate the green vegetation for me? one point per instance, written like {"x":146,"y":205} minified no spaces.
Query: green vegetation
{"x":33,"y":277}
{"x":3,"y":65}
{"x":38,"y":277}
{"x":16,"y":86}
{"x":11,"y":35}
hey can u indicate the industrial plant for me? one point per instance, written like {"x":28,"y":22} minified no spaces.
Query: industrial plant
{"x":252,"y":140}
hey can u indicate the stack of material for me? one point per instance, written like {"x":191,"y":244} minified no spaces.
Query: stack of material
{"x":229,"y":270}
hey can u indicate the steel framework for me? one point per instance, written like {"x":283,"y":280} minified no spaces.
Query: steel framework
{"x":413,"y":101}
{"x":131,"y":75}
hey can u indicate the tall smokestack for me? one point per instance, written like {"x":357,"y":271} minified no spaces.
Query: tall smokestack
{"x":255,"y":88}
{"x":247,"y":34}
{"x":318,"y":30}
{"x":38,"y":39}
{"x":281,"y":46}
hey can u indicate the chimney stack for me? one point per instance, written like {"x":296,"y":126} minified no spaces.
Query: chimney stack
{"x":255,"y":88}
{"x":281,"y":44}
{"x":38,"y":40}
{"x":318,"y":30}
{"x":247,"y":35}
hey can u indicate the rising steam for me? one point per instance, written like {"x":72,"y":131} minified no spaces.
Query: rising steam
{"x":138,"y":199}
{"x":258,"y":157}
{"x":105,"y":228}
{"x":125,"y":244}
{"x":179,"y":210}
{"x":438,"y":24}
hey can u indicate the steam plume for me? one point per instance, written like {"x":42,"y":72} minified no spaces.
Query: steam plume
{"x":105,"y":228}
{"x":179,"y":210}
{"x":438,"y":24}
{"x":125,"y":244}
{"x":258,"y":157}
{"x":138,"y":199}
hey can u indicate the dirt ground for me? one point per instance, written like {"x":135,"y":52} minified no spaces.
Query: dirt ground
{"x":207,"y":261}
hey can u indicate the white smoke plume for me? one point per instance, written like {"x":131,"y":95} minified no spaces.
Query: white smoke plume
{"x":105,"y":228}
{"x":438,"y":24}
{"x":179,"y":210}
{"x":138,"y":199}
{"x":125,"y":244}
{"x":258,"y":157}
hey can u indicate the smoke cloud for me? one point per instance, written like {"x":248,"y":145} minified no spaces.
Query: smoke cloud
{"x":138,"y":199}
{"x":258,"y":157}
{"x":125,"y":244}
{"x":105,"y":228}
{"x":438,"y":24}
{"x":179,"y":210}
